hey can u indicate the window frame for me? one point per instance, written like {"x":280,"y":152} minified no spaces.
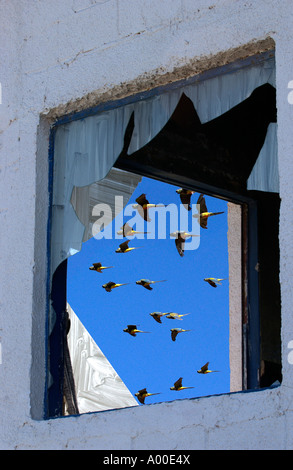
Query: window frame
{"x":250,"y":290}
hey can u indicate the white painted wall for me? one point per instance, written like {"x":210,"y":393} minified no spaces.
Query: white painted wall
{"x":54,"y":53}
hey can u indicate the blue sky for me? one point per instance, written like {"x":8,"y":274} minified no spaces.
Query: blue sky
{"x":153,"y":360}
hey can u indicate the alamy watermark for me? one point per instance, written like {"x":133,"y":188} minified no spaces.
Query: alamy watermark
{"x":290,"y":94}
{"x":180,"y":223}
{"x":290,"y":355}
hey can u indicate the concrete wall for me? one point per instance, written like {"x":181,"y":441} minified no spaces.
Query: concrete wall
{"x":235,"y":297}
{"x":60,"y":56}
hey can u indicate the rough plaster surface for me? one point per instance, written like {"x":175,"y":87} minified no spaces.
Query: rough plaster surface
{"x":235,"y":296}
{"x":55,"y":57}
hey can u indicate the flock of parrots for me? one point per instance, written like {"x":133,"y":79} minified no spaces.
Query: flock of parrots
{"x":143,"y":207}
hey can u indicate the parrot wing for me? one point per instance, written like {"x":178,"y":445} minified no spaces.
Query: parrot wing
{"x":202,"y":203}
{"x":178,"y":383}
{"x":179,"y":242}
{"x":205,"y":367}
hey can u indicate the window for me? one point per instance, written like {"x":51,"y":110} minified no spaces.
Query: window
{"x":213,"y":134}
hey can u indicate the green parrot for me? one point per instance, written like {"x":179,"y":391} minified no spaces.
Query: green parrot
{"x":213,"y":281}
{"x":204,"y":214}
{"x":124,"y":248}
{"x":205,"y":370}
{"x":146,"y":283}
{"x":181,"y":236}
{"x":143,"y":207}
{"x":111,"y":285}
{"x":175,"y":331}
{"x":178,"y":385}
{"x":132,"y":330}
{"x":176,"y":316}
{"x":185,"y":197}
{"x":128,"y":231}
{"x":98,"y":267}
{"x":142,"y":394}
{"x":157,"y":316}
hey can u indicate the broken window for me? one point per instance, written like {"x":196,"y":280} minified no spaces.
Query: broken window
{"x":213,"y":134}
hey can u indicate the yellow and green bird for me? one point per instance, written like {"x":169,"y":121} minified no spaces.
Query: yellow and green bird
{"x":127,"y":231}
{"x":180,"y":237}
{"x":213,"y":281}
{"x":98,"y":267}
{"x":143,"y":207}
{"x":124,"y":248}
{"x":175,"y":331}
{"x":185,"y":197}
{"x":205,"y":369}
{"x":143,"y":394}
{"x":112,"y":285}
{"x":203,"y":212}
{"x":157,"y":316}
{"x":178,"y":385}
{"x":146,"y":283}
{"x":132,"y":330}
{"x":176,"y":316}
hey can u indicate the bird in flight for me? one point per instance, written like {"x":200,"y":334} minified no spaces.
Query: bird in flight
{"x":157,"y":316}
{"x":175,"y":331}
{"x":98,"y":267}
{"x":213,"y":281}
{"x":205,"y":369}
{"x":128,"y":231}
{"x":178,"y":385}
{"x":124,"y":248}
{"x":143,"y":206}
{"x":180,"y":237}
{"x":146,"y":283}
{"x":132,"y":330}
{"x":142,"y":394}
{"x":176,"y":316}
{"x":203,"y":212}
{"x":111,"y":285}
{"x":185,"y":197}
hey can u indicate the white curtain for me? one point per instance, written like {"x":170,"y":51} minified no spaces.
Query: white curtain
{"x":85,"y":150}
{"x":219,"y":94}
{"x":98,"y":386}
{"x":265,"y":173}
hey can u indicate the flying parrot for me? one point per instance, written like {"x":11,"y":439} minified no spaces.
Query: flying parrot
{"x":205,"y":370}
{"x":143,"y":206}
{"x":132,"y":330}
{"x":180,"y":240}
{"x":204,"y":214}
{"x":175,"y":331}
{"x":142,"y":394}
{"x":111,"y":285}
{"x":128,"y":231}
{"x":146,"y":283}
{"x":157,"y":316}
{"x":98,"y":267}
{"x":124,"y":248}
{"x":176,"y":316}
{"x":214,"y":281}
{"x":185,"y":196}
{"x":178,"y":385}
